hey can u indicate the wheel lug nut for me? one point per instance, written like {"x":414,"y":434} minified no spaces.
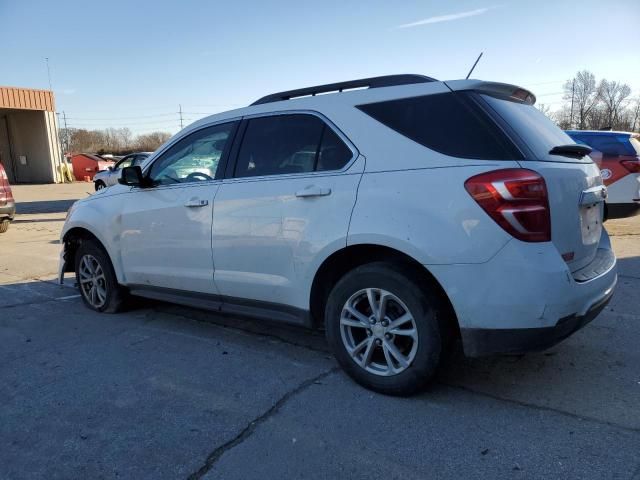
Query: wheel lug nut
{"x":387,"y":336}
{"x":373,"y":321}
{"x":385,"y":323}
{"x":378,"y":342}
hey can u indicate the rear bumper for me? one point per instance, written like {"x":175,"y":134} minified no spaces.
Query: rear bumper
{"x":623,"y":210}
{"x":525,"y":298}
{"x":479,"y":342}
{"x":8,"y":211}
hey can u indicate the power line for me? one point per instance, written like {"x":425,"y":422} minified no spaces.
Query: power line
{"x":549,"y":94}
{"x":123,"y":118}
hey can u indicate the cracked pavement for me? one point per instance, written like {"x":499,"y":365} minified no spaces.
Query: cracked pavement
{"x":163,"y":391}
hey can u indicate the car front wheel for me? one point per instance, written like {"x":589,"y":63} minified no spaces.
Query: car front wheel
{"x":100,"y":185}
{"x":97,"y":280}
{"x":383,"y":327}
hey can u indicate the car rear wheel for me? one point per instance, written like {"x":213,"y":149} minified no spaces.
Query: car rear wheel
{"x":97,"y":280}
{"x":100,"y":185}
{"x":383,"y":327}
{"x":4,"y":225}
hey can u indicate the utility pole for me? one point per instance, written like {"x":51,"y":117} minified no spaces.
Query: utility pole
{"x":48,"y":72}
{"x":180,"y":112}
{"x":573,"y":91}
{"x":66,"y":132}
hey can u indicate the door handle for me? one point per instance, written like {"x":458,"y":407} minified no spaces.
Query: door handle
{"x":196,"y":202}
{"x":313,"y":191}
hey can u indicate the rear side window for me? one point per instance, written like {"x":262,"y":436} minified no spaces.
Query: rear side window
{"x":613,"y":144}
{"x":449,"y":123}
{"x":285,"y":144}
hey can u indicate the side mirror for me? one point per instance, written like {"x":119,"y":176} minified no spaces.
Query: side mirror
{"x":132,"y":176}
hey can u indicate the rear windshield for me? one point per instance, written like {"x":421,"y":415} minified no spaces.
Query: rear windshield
{"x":532,"y":127}
{"x":609,"y":144}
{"x":450,"y":123}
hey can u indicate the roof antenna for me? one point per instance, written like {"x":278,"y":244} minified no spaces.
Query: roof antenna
{"x":474,"y":66}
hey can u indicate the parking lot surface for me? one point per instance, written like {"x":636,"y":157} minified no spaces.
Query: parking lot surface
{"x":163,"y":391}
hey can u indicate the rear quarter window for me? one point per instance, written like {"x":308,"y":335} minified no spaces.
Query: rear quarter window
{"x":450,"y":123}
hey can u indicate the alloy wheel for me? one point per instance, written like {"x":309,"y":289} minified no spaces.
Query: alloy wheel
{"x":379,"y":332}
{"x":93,"y":284}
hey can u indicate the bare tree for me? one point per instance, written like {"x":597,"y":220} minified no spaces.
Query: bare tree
{"x":117,"y":141}
{"x":151,"y":141}
{"x":546,"y":109}
{"x":583,"y":94}
{"x":125,"y":137}
{"x":635,"y":114}
{"x":613,"y":94}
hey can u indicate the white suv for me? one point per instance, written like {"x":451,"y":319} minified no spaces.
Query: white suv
{"x":397,"y":212}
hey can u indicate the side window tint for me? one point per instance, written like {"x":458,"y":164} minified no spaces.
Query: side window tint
{"x":448,"y":123}
{"x":194,"y":158}
{"x":333,"y":154}
{"x":279,"y":144}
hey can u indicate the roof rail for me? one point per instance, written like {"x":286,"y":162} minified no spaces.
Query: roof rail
{"x":373,"y":82}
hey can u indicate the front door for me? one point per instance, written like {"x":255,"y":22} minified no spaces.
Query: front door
{"x":293,"y":189}
{"x":166,"y":228}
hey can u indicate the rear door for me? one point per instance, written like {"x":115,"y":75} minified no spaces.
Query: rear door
{"x":576,"y":192}
{"x":289,"y":195}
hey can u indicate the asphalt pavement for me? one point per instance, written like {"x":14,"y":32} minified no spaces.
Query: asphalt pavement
{"x":163,"y":391}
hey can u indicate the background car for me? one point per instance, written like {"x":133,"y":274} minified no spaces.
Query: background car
{"x":7,"y":204}
{"x":618,"y":156}
{"x":108,"y":177}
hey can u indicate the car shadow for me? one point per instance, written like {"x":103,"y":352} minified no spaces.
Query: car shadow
{"x":38,"y":220}
{"x":45,"y":206}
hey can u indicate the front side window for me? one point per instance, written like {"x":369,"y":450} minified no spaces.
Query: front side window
{"x":139,"y":159}
{"x":195,"y":158}
{"x":125,"y":162}
{"x":285,"y":144}
{"x":449,"y":123}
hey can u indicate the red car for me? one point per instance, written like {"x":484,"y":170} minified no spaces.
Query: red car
{"x":7,"y":204}
{"x":618,"y":156}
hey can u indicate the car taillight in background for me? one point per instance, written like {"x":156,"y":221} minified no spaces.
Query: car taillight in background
{"x":632,"y":165}
{"x":516,"y":199}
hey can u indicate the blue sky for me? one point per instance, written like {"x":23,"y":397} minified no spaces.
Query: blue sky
{"x":125,"y":63}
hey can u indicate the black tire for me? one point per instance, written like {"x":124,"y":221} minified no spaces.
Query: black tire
{"x":115,"y":294}
{"x":424,"y":306}
{"x":4,"y":225}
{"x":99,"y":185}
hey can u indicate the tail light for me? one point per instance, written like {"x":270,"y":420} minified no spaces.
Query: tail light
{"x":632,"y":165}
{"x":516,"y":199}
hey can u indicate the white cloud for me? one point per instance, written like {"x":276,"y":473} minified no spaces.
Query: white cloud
{"x":447,"y":18}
